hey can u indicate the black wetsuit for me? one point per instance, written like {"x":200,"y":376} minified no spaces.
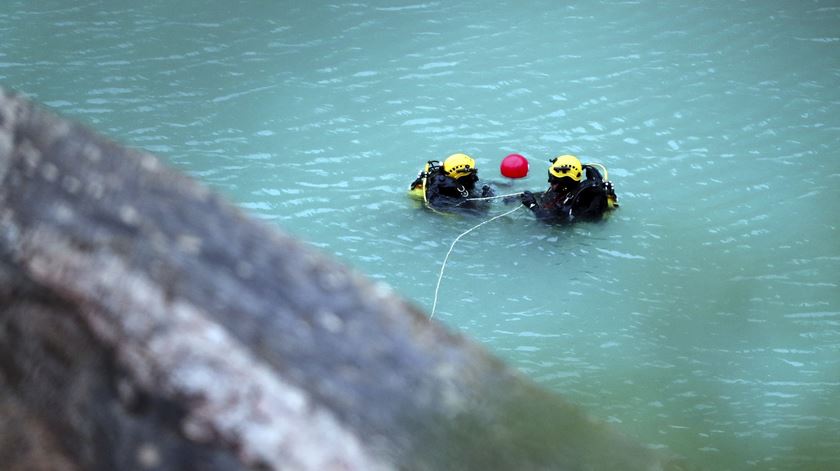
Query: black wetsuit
{"x":443,"y":191}
{"x":585,"y":200}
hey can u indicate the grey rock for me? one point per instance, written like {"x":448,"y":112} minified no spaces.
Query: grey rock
{"x":145,"y":323}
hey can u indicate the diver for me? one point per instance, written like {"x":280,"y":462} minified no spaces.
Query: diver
{"x":569,"y":198}
{"x":451,"y":184}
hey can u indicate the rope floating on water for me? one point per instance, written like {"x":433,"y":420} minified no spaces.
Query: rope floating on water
{"x":440,"y":276}
{"x":494,"y":197}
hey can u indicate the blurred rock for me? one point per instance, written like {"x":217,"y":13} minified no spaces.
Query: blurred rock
{"x":147,"y":324}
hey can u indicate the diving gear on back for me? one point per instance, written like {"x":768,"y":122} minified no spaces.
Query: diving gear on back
{"x":568,"y":198}
{"x":450,"y":184}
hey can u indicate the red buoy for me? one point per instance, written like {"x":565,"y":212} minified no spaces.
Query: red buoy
{"x":514,"y":166}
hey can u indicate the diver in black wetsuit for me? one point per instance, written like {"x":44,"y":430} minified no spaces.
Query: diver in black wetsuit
{"x":452,"y":184}
{"x":568,"y":198}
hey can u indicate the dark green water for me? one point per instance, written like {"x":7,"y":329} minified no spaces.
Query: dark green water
{"x":702,"y":317}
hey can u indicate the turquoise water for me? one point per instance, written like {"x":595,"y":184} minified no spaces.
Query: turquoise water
{"x":702,"y":317}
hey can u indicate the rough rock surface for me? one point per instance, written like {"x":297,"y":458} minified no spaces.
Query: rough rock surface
{"x":147,"y":324}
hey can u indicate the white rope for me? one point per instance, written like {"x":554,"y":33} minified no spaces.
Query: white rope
{"x":440,"y":276}
{"x":494,"y":197}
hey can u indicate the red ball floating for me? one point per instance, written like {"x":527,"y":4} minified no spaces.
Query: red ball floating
{"x":514,"y":166}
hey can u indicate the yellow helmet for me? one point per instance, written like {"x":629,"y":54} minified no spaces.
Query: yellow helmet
{"x":459,"y":165}
{"x":565,"y":166}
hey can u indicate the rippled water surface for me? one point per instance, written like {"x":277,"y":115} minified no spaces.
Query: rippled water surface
{"x":702,"y":317}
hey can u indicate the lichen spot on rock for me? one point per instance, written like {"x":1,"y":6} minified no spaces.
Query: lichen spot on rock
{"x":148,"y":456}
